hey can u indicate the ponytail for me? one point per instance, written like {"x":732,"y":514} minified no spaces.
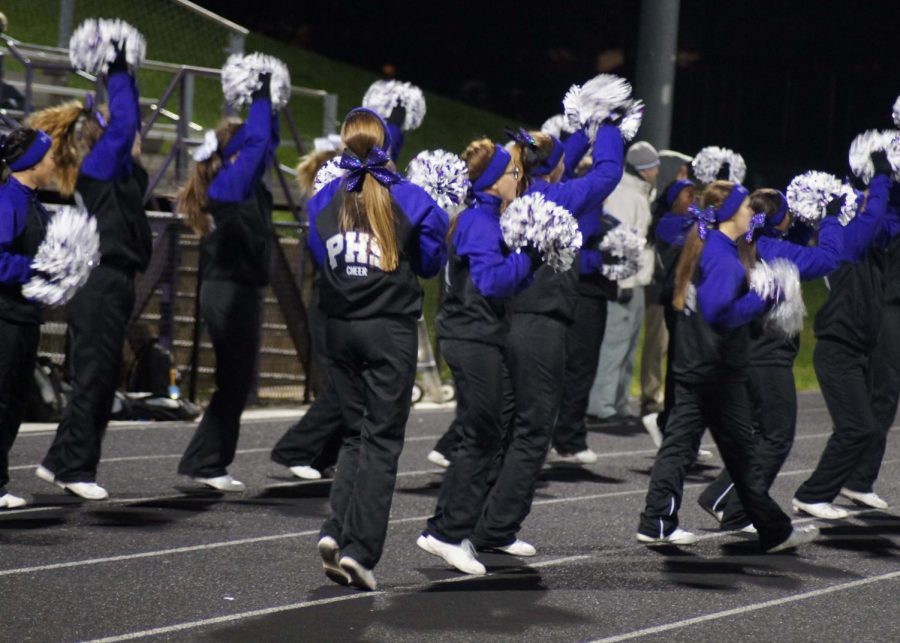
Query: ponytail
{"x":61,"y":123}
{"x":370,"y":209}
{"x":193,"y":197}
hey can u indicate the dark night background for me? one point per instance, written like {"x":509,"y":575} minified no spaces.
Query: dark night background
{"x":788,"y":84}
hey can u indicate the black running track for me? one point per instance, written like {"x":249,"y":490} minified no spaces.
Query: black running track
{"x":162,"y":560}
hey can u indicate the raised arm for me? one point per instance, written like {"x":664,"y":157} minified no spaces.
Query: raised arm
{"x":112,"y":152}
{"x":234,"y":182}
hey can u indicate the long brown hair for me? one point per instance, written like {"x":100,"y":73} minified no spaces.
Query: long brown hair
{"x":714,"y":195}
{"x":71,"y":143}
{"x":369,"y":210}
{"x":192,"y":198}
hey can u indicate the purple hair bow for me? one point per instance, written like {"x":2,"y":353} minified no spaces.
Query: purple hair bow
{"x":704,"y":219}
{"x":96,"y":113}
{"x":375,"y":165}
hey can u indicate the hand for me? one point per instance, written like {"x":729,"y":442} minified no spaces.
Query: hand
{"x":776,"y":297}
{"x":609,"y":259}
{"x":833,"y":209}
{"x":398,"y":116}
{"x":724,"y":172}
{"x":265,"y":84}
{"x":534,"y":254}
{"x":121,"y":61}
{"x":624,"y":295}
{"x":881,"y":163}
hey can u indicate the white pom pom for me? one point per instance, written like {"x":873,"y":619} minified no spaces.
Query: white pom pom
{"x":631,"y":121}
{"x":860,"y":154}
{"x":897,"y":112}
{"x":765,"y":279}
{"x":328,"y":173}
{"x":557,"y":126}
{"x":444,"y":176}
{"x":240,"y":78}
{"x":92,"y":46}
{"x":809,"y":193}
{"x":68,"y":253}
{"x":383,"y":95}
{"x":588,"y":105}
{"x":533,"y":220}
{"x":625,"y":243}
{"x":709,"y":161}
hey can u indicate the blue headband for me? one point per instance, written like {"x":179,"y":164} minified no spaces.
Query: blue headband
{"x":556,"y":153}
{"x":388,"y":141}
{"x":495,"y":169}
{"x":34,"y":153}
{"x":675,"y":189}
{"x":732,"y":203}
{"x":780,"y":213}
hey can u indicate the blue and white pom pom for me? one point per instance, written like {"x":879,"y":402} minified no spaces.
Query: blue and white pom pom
{"x":328,"y":173}
{"x":384,"y":95}
{"x":587,"y":106}
{"x":240,"y":78}
{"x":557,"y":126}
{"x":92,"y":46}
{"x":444,"y":176}
{"x":534,"y":220}
{"x":787,"y":315}
{"x":68,"y":253}
{"x":860,"y":154}
{"x":896,"y":113}
{"x":809,"y":193}
{"x":625,"y":243}
{"x":709,"y":161}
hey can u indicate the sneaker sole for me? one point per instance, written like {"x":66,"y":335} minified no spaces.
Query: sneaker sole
{"x":423,"y":544}
{"x":866,"y":505}
{"x":356,"y":577}
{"x":804,"y":512}
{"x":647,"y":540}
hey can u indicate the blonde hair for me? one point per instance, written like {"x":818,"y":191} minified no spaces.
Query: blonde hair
{"x":192,"y":199}
{"x":309,"y":166}
{"x":70,"y":143}
{"x":370,"y":209}
{"x":714,"y":195}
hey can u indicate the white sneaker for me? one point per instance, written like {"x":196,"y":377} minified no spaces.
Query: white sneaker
{"x":46,"y":475}
{"x":331,"y":554}
{"x":9,"y":501}
{"x":86,"y":490}
{"x":749,"y":529}
{"x":582,"y":457}
{"x":305,"y":472}
{"x":461,"y":556}
{"x":799,"y":536}
{"x":518,"y":548}
{"x":222,"y":483}
{"x":871,"y":499}
{"x":360,"y":577}
{"x":677,"y":537}
{"x":823,"y":510}
{"x":704,"y":455}
{"x":436,"y":457}
{"x":651,"y":427}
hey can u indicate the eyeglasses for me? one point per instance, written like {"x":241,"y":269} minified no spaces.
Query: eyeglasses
{"x":514,"y":172}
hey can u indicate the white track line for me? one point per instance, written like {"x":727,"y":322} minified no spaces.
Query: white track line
{"x":179,"y":627}
{"x":753,"y":607}
{"x":298,"y":534}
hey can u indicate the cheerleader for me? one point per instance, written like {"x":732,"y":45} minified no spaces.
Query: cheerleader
{"x":773,"y":392}
{"x":541,"y":314}
{"x":111,"y":183}
{"x":846,"y":329}
{"x":371,"y":234}
{"x":712,"y":356}
{"x":472,"y":328}
{"x":311,"y":445}
{"x":228,"y":205}
{"x":26,"y":164}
